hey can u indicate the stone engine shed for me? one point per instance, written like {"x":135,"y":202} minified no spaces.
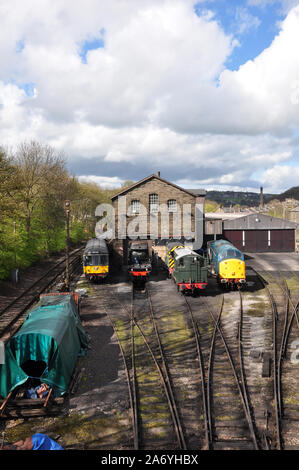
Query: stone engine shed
{"x":137,"y":209}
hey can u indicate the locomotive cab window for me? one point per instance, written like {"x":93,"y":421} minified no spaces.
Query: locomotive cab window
{"x":138,"y":256}
{"x":234,"y":254}
{"x":88,"y":260}
{"x":96,"y":260}
{"x":103,"y":260}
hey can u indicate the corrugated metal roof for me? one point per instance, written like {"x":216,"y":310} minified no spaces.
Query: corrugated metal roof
{"x":226,"y":215}
{"x":258,"y":221}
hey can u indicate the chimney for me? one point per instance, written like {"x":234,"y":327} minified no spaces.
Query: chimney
{"x":159,"y":174}
{"x":261,"y":197}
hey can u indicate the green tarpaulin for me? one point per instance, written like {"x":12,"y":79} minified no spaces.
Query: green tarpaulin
{"x":52,"y":333}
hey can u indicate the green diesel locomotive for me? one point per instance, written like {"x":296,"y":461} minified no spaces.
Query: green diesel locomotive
{"x":187,"y":268}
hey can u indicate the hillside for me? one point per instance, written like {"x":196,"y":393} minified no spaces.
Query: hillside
{"x":292,"y":193}
{"x":227,"y":198}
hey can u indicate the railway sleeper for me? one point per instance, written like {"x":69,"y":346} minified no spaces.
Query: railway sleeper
{"x":20,"y":403}
{"x":266,"y":367}
{"x":290,"y":417}
{"x":11,"y":413}
{"x":232,"y":444}
{"x":228,"y":424}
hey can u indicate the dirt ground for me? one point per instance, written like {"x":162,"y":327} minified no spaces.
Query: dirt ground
{"x":273,"y":261}
{"x":98,"y":415}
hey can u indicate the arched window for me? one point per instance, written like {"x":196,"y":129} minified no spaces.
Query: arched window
{"x":154,"y":202}
{"x":172,"y":205}
{"x":135,"y":206}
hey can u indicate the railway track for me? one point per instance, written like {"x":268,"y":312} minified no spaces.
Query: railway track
{"x":285,"y":331}
{"x":154,"y":345}
{"x":229,"y":414}
{"x":182,"y":346}
{"x":242,"y":432}
{"x":205,"y":395}
{"x":149,"y":358}
{"x":152,"y":407}
{"x":190,"y":356}
{"x":12,"y":315}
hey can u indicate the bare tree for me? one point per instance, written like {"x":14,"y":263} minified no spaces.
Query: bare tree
{"x":39,"y":170}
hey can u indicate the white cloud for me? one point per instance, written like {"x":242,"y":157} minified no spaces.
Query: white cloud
{"x":103,"y":181}
{"x":157,"y":94}
{"x":257,"y":98}
{"x":280,"y":176}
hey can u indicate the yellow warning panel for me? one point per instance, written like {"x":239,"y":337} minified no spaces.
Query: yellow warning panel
{"x":95,"y":269}
{"x":232,"y":269}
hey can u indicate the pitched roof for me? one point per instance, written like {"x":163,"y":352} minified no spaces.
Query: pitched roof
{"x":257,"y":221}
{"x":197,"y":192}
{"x":148,"y":178}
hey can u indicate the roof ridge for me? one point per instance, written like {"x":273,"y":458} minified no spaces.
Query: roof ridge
{"x":153,"y":175}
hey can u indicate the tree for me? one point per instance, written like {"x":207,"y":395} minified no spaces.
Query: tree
{"x":39,"y":169}
{"x":8,"y":185}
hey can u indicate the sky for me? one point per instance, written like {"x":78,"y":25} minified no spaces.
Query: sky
{"x":206,"y":92}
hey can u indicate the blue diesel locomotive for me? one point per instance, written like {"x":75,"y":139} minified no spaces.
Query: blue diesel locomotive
{"x":227,"y":263}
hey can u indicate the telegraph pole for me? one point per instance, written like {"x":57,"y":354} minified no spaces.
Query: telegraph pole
{"x":67,"y":209}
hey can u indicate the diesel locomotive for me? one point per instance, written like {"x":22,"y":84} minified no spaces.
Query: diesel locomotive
{"x":139,"y":260}
{"x":187,"y":268}
{"x":96,"y":259}
{"x":227,"y":263}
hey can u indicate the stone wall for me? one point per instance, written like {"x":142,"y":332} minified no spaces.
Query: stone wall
{"x":145,"y":222}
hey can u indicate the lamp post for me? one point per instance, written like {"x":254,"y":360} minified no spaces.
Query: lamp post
{"x":15,"y":237}
{"x":15,"y":271}
{"x":67,"y":209}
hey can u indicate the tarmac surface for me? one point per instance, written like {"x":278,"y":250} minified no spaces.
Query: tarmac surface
{"x":273,"y":261}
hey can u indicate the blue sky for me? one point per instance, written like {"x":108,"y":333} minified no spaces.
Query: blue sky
{"x":128,"y":88}
{"x":254,"y":26}
{"x":91,"y":44}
